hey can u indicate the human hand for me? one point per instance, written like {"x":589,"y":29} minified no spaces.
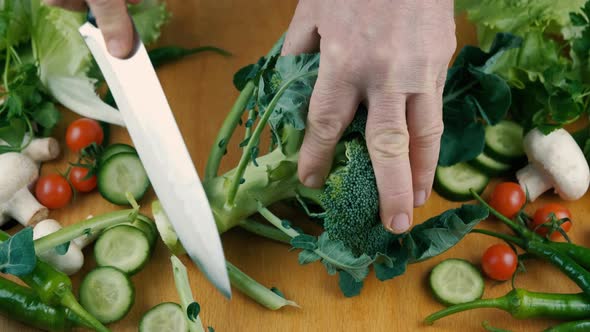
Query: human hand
{"x":112,"y":19}
{"x":393,"y":56}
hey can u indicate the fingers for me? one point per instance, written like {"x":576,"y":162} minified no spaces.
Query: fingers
{"x":332,"y":107}
{"x":75,"y":5}
{"x":425,"y":125}
{"x":115,"y":24}
{"x":388,"y":141}
{"x":302,"y":35}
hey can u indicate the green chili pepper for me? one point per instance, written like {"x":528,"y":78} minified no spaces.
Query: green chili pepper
{"x":577,"y":326}
{"x":166,"y":54}
{"x":22,"y":304}
{"x":580,"y":254}
{"x":524,"y":304}
{"x":55,"y":288}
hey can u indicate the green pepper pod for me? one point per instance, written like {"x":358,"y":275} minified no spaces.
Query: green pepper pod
{"x":577,"y":326}
{"x":578,"y":253}
{"x":55,"y":288}
{"x":22,"y":304}
{"x":564,"y":262}
{"x":523,"y":304}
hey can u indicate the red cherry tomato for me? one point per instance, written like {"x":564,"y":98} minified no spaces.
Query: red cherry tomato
{"x":83,"y":132}
{"x":499,"y":262}
{"x":543,"y":215}
{"x":80,"y":180}
{"x":53,"y":191}
{"x":507,"y":198}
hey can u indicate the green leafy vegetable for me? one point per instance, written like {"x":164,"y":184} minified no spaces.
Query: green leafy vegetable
{"x":473,"y":94}
{"x":17,"y":255}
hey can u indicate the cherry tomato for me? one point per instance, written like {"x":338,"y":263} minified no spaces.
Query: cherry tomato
{"x":508,"y":198}
{"x":543,"y":215}
{"x":499,"y":262}
{"x":83,"y":132}
{"x":53,"y":191}
{"x":80,"y":180}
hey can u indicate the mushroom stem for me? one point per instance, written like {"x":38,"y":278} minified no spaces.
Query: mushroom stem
{"x":40,"y":149}
{"x":68,"y":263}
{"x":24,"y":208}
{"x":533,"y":181}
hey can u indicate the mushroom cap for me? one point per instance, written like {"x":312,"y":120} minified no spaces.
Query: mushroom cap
{"x":561,"y":159}
{"x":17,"y":171}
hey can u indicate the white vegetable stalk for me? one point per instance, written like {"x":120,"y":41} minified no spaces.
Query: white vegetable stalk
{"x":68,"y":263}
{"x":40,"y":149}
{"x":555,"y":161}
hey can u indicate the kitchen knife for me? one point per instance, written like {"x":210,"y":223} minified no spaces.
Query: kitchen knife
{"x":161,"y":148}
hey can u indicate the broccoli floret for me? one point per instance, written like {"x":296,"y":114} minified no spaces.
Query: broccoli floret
{"x":351,"y":204}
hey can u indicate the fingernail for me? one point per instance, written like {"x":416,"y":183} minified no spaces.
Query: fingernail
{"x":419,"y":198}
{"x":313,"y":181}
{"x":116,"y":48}
{"x":400,"y":223}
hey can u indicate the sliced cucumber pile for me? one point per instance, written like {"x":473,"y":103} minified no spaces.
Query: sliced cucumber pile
{"x":503,"y":142}
{"x":454,"y":182}
{"x":122,"y":173}
{"x":107,"y":294}
{"x":165,"y":317}
{"x":124,"y":247}
{"x":455,"y":281}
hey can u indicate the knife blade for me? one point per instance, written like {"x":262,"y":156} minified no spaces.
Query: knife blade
{"x":161,"y":148}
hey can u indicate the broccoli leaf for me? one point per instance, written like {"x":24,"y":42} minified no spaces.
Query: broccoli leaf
{"x":348,"y":285}
{"x":438,"y":234}
{"x":473,"y":93}
{"x":17,"y":254}
{"x":300,"y":72}
{"x":392,"y":264}
{"x":335,"y":257}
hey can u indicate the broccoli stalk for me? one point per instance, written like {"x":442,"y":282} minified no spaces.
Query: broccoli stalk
{"x":275,"y":94}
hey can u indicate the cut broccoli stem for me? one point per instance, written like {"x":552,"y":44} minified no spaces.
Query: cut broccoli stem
{"x":255,"y":138}
{"x":227,"y":129}
{"x":255,"y":290}
{"x":250,"y":123}
{"x":278,"y":223}
{"x":88,"y":226}
{"x":265,"y":231}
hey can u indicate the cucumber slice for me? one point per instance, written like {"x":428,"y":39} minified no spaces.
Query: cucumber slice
{"x":490,"y":166}
{"x":125,"y":247}
{"x":107,"y":294}
{"x":145,"y":225}
{"x":503,"y":142}
{"x":114,"y":149}
{"x":120,"y":174}
{"x":165,"y":317}
{"x":454,"y":182}
{"x":455,"y":281}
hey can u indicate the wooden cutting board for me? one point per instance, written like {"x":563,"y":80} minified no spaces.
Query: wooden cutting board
{"x":200,"y":91}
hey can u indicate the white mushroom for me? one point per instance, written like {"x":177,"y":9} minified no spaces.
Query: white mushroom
{"x":555,"y":161}
{"x":72,"y":261}
{"x":16,"y":173}
{"x":40,"y":149}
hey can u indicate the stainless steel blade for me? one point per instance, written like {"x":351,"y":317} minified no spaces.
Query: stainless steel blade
{"x":155,"y":134}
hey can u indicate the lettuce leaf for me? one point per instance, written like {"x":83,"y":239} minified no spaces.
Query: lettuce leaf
{"x":65,"y":62}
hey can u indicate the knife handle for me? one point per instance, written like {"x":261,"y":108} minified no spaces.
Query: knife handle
{"x":90,"y":18}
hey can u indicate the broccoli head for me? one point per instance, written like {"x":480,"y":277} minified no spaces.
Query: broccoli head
{"x":351,"y":203}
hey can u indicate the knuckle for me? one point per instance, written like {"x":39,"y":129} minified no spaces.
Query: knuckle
{"x":388,"y":143}
{"x":323,"y":127}
{"x":428,"y":136}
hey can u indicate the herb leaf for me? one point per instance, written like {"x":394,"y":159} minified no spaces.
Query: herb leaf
{"x":17,"y":254}
{"x":63,"y":248}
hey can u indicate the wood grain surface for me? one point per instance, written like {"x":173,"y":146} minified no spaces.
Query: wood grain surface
{"x":200,"y":92}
